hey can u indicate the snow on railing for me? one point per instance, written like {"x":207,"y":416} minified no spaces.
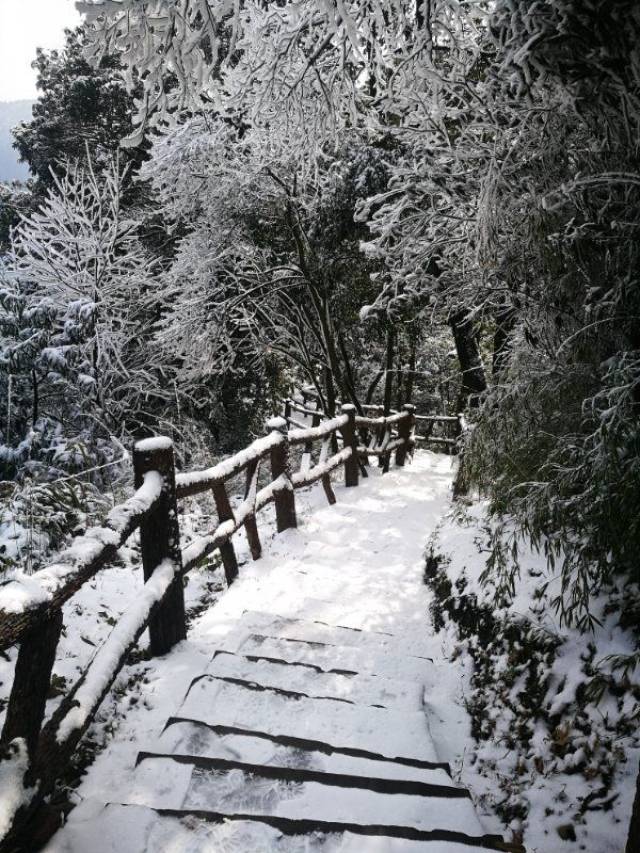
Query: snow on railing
{"x":301,"y":436}
{"x":79,"y":707}
{"x":195,"y":482}
{"x":14,"y":794}
{"x":24,"y":598}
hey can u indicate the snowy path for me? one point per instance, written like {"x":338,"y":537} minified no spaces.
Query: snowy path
{"x":295,"y":709}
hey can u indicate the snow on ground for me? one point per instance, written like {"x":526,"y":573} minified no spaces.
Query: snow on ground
{"x":557,"y":777}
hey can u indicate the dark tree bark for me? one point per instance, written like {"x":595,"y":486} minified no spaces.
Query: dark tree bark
{"x":505,"y":320}
{"x":474,"y":382}
{"x":388,"y":387}
{"x":371,"y":390}
{"x":31,"y":682}
{"x":35,"y":409}
{"x":348,"y":375}
{"x":633,"y":839}
{"x":410,"y":378}
{"x":388,"y":376}
{"x":330,"y":391}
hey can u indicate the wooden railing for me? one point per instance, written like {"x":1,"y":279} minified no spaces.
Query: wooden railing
{"x":379,"y":432}
{"x":33,"y":756}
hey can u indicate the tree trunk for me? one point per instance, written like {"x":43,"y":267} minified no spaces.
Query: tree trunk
{"x":348,"y":375}
{"x":410,"y":378}
{"x":371,"y":390}
{"x":388,"y":389}
{"x":633,"y":839}
{"x":388,"y":376}
{"x":474,"y":382}
{"x":505,"y":321}
{"x":35,"y":409}
{"x":330,"y":390}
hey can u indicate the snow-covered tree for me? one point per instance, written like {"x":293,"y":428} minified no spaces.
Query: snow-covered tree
{"x":76,"y":321}
{"x":270,"y":267}
{"x":82,"y":111}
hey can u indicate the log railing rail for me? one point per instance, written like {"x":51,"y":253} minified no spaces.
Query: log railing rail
{"x":31,"y":605}
{"x":440,"y":431}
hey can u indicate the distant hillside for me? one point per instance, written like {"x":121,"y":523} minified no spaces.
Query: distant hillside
{"x":11,"y":114}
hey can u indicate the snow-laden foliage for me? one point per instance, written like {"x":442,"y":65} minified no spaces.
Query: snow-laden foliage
{"x":509,"y":208}
{"x":74,"y":297}
{"x":77,"y":371}
{"x":81,"y":113}
{"x":554,"y":714}
{"x":327,"y":64}
{"x":270,"y":267}
{"x":558,"y":442}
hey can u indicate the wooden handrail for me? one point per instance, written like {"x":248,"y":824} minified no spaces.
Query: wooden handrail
{"x":301,"y":436}
{"x":382,"y":421}
{"x":30,"y":606}
{"x":26,"y":601}
{"x":302,"y":409}
{"x":443,"y":419}
{"x":196,"y":482}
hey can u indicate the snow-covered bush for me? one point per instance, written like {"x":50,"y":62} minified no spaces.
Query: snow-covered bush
{"x":554,"y":715}
{"x":76,"y":320}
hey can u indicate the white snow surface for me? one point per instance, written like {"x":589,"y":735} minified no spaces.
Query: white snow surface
{"x":109,"y":654}
{"x":13,"y":793}
{"x":322,"y":430}
{"x":21,"y":591}
{"x":553,"y":796}
{"x":157,"y":442}
{"x":224,"y":468}
{"x":141,"y":501}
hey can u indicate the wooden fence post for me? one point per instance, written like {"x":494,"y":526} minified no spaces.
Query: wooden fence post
{"x":349,"y":435}
{"x":227,"y":551}
{"x":287,"y":410}
{"x":460,"y":482}
{"x":405,"y":432}
{"x":250,"y":524}
{"x":281,"y":467}
{"x":31,"y":682}
{"x":160,"y":540}
{"x":315,"y":421}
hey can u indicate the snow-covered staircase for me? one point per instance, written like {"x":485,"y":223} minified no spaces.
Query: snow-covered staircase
{"x":295,"y":719}
{"x":301,"y":731}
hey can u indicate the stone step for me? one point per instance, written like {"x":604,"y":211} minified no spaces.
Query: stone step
{"x":387,"y":732}
{"x":292,"y":794}
{"x":140,"y":829}
{"x":342,"y":660}
{"x":360,"y":689}
{"x":185,"y":737}
{"x":318,"y":630}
